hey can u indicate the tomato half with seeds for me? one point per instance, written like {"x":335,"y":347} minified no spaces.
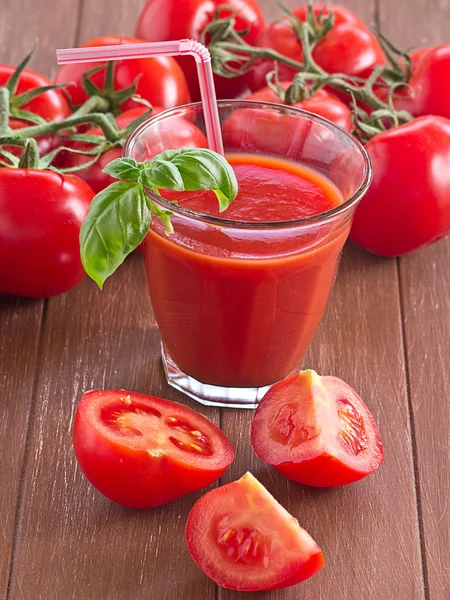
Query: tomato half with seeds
{"x":142,"y":451}
{"x":316,"y":431}
{"x":243,"y":539}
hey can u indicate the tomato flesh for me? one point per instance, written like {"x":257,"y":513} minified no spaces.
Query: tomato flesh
{"x":316,"y":431}
{"x":142,"y":451}
{"x":243,"y":539}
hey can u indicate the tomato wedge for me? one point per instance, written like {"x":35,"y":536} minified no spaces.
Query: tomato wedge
{"x":142,"y":451}
{"x":316,"y":431}
{"x":243,"y":539}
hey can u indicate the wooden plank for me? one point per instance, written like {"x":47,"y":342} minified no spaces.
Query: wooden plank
{"x":97,"y":549}
{"x":53,"y":25}
{"x":98,"y":340}
{"x":368,"y":531}
{"x":98,"y":19}
{"x":20,"y":320}
{"x":425,"y":289}
{"x":365,"y":10}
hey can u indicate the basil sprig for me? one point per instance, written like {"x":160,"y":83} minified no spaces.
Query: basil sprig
{"x":120,"y":215}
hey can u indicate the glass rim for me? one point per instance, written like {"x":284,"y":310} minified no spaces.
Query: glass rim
{"x":230,"y":223}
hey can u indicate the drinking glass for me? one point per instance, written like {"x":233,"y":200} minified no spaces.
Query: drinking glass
{"x":237,"y":303}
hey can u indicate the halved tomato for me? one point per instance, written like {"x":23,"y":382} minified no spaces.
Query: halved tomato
{"x":243,"y":539}
{"x":316,"y":431}
{"x":142,"y":451}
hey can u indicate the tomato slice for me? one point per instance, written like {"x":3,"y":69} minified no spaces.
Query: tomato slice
{"x":243,"y":539}
{"x":316,"y":431}
{"x":142,"y":451}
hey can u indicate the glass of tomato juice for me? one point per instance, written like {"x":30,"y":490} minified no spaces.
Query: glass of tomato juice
{"x":238,"y":295}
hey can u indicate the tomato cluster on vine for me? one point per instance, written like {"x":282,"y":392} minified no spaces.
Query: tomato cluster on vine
{"x":323,"y":59}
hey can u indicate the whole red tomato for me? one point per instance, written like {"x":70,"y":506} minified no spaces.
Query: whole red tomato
{"x":177,"y":19}
{"x":41,"y":214}
{"x":161,"y":81}
{"x":183,"y":134}
{"x":322,"y":103}
{"x":142,"y":451}
{"x":50,"y":105}
{"x":429,"y":86}
{"x":408,"y":204}
{"x":350,"y":47}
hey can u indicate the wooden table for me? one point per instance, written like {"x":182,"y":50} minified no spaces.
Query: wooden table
{"x":386,"y":332}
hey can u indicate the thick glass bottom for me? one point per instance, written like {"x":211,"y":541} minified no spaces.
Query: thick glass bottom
{"x":210,"y":395}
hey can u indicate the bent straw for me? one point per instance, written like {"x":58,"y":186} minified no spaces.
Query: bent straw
{"x":171,"y":48}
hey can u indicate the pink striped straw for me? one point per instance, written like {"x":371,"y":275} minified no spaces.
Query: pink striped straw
{"x":171,"y":48}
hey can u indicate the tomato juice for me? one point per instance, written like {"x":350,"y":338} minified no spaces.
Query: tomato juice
{"x":238,"y":301}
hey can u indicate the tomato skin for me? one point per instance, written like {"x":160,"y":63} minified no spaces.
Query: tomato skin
{"x":350,"y":47}
{"x":264,"y":131}
{"x":243,"y":539}
{"x":322,"y":103}
{"x":51,"y":105}
{"x":316,"y":431}
{"x":139,"y":472}
{"x":161,"y":82}
{"x":185,"y":134}
{"x":408,"y":203}
{"x":41,"y":216}
{"x":429,"y":86}
{"x":163,"y":20}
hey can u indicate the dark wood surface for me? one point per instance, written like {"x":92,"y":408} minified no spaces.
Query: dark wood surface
{"x":386,"y":331}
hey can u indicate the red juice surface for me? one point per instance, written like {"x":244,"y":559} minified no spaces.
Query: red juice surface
{"x":238,"y":307}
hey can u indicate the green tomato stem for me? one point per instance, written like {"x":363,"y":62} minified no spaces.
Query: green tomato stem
{"x":94,"y":104}
{"x":110,"y":132}
{"x":4,"y":109}
{"x":30,"y":156}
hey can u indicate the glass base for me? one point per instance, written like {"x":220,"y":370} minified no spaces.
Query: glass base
{"x":210,"y":395}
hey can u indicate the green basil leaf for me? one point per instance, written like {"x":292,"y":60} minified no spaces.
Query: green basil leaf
{"x":165,"y":176}
{"x":125,"y":169}
{"x":164,"y":215}
{"x":199,"y":169}
{"x":118,"y":220}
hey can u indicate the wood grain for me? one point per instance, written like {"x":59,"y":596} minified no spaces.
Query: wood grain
{"x":359,"y":527}
{"x":20,"y":322}
{"x":92,"y":340}
{"x":425,"y":290}
{"x":73,"y":544}
{"x":52,"y":24}
{"x":97,"y":18}
{"x":96,"y":549}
